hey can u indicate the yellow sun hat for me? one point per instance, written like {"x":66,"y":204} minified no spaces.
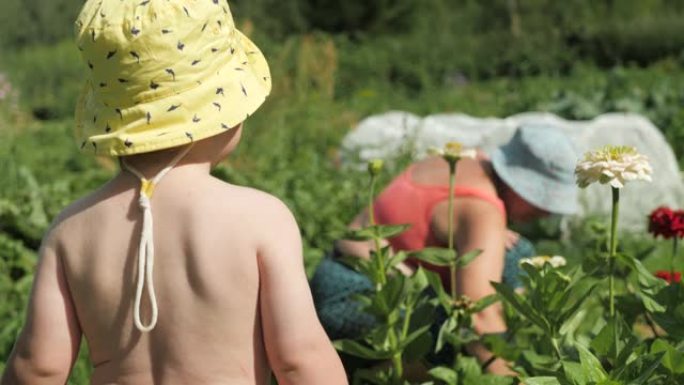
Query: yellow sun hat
{"x":163,"y":73}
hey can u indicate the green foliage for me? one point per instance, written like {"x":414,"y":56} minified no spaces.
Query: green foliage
{"x":49,"y":77}
{"x":27,"y":22}
{"x":627,"y":41}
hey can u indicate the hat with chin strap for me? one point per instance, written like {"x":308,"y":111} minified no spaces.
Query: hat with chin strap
{"x":163,"y":73}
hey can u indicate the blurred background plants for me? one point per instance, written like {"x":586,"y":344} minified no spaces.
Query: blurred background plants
{"x":334,"y":63}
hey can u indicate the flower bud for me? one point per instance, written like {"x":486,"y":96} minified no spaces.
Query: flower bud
{"x":375,"y":166}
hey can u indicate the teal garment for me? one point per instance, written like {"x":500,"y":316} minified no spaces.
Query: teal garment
{"x":333,"y":284}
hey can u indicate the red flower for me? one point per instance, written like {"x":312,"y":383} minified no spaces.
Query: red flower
{"x":666,"y":222}
{"x":666,"y":275}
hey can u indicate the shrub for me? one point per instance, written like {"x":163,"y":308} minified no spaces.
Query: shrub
{"x":642,"y":41}
{"x":49,"y":78}
{"x":27,"y":22}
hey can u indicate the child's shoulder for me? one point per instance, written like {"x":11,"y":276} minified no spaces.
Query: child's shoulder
{"x":74,"y":219}
{"x":256,"y":202}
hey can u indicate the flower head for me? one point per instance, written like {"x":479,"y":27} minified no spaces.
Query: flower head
{"x":614,"y":165}
{"x":669,"y":277}
{"x":666,"y":223}
{"x":454,"y":151}
{"x":375,"y":166}
{"x":555,"y":261}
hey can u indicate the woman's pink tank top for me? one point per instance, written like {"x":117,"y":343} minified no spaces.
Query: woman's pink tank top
{"x":405,"y":201}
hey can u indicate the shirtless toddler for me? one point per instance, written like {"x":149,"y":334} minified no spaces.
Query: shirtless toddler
{"x":183,"y":279}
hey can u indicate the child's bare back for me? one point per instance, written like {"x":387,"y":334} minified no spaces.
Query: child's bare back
{"x":206,"y":277}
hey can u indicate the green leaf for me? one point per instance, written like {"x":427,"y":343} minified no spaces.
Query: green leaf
{"x":418,"y":348}
{"x":372,"y":232}
{"x":485,"y":302}
{"x":650,"y":303}
{"x":448,"y":327}
{"x":624,"y":358}
{"x":414,"y":335}
{"x":541,"y":381}
{"x":372,"y":376}
{"x":498,"y":345}
{"x":362,"y":234}
{"x":648,"y":283}
{"x":649,"y":364}
{"x":444,"y":374}
{"x":352,"y":262}
{"x":524,"y":308}
{"x":533,"y":273}
{"x":574,"y":373}
{"x":646,"y":278}
{"x":672,"y":319}
{"x":388,"y":231}
{"x":423,"y":314}
{"x":390,"y":295}
{"x":435,"y":255}
{"x":462,"y":336}
{"x":572,"y":323}
{"x":593,"y":370}
{"x":673,"y":360}
{"x":581,"y":296}
{"x":356,"y":349}
{"x":468,"y":257}
{"x":491,"y":379}
{"x":436,"y":283}
{"x":542,"y":364}
{"x":398,"y":258}
{"x":418,"y":281}
{"x":468,"y":367}
{"x":604,"y":343}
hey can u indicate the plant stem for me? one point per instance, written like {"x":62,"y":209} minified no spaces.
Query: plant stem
{"x":371,"y":195}
{"x":376,"y":239}
{"x":556,"y":348}
{"x":397,"y":364}
{"x":407,"y":318}
{"x":450,"y":225}
{"x":611,"y":266}
{"x":613,"y":249}
{"x":672,"y":260}
{"x":398,"y":372}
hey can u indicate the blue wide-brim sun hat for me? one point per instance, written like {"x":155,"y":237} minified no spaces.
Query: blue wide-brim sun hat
{"x":538,"y":163}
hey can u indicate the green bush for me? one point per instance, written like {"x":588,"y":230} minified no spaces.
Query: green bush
{"x":49,"y":78}
{"x":642,"y":41}
{"x":28,"y":22}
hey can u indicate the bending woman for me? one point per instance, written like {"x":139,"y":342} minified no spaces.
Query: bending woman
{"x":526,"y":179}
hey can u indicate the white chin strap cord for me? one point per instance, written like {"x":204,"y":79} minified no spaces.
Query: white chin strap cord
{"x":146,"y":249}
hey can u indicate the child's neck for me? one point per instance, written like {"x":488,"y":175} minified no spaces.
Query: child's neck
{"x":151,"y":164}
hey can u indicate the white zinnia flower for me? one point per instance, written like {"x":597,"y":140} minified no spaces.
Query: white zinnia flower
{"x":539,"y":261}
{"x":454,"y":151}
{"x":614,"y":165}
